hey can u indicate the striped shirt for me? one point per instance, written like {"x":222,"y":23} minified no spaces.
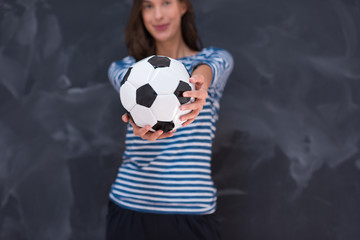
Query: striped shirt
{"x":173,"y":175}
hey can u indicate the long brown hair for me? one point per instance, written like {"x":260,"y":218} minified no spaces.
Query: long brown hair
{"x":141,"y":44}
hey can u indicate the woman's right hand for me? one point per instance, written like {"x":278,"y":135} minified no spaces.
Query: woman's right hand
{"x":144,"y":132}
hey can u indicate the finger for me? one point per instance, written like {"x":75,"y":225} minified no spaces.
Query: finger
{"x":125,"y":118}
{"x":166,"y":135}
{"x":152,"y":136}
{"x":188,"y":122}
{"x":198,"y":104}
{"x":143,"y":131}
{"x":191,"y":115}
{"x":139,"y":131}
{"x":201,"y":94}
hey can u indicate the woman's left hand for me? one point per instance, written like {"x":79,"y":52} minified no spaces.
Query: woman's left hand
{"x":200,"y":94}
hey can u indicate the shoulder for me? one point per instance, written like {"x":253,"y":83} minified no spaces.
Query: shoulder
{"x":217,"y":53}
{"x":219,"y":58}
{"x":214,"y":51}
{"x":216,"y":56}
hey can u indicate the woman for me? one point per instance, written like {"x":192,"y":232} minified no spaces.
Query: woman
{"x":164,"y":189}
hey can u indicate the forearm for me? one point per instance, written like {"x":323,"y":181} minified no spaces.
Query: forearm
{"x":206,"y":72}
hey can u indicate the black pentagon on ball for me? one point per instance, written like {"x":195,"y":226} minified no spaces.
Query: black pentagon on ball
{"x":164,"y":126}
{"x":159,"y":61}
{"x":181,"y":88}
{"x":126,"y":76}
{"x":145,"y":95}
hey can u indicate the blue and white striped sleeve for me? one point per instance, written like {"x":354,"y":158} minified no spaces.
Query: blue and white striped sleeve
{"x":118,"y":69}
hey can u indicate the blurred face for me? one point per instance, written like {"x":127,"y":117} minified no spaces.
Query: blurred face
{"x":162,"y":18}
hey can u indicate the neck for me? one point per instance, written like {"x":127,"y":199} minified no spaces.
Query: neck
{"x":174,"y":49}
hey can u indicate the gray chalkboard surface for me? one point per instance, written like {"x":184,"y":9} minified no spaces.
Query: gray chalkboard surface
{"x":286,"y":156}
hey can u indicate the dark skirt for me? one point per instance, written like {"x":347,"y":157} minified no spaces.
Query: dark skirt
{"x":125,"y":224}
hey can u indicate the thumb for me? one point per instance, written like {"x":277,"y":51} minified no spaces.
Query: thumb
{"x":125,"y":118}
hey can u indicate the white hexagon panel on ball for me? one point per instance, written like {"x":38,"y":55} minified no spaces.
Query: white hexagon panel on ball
{"x":141,"y":73}
{"x":164,"y":81}
{"x":165,"y":107}
{"x":180,"y":70}
{"x":142,"y":116}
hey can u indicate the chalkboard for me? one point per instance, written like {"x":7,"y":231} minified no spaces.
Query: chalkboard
{"x":286,"y":158}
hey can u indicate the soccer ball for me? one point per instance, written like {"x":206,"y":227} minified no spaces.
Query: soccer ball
{"x":151,"y":91}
